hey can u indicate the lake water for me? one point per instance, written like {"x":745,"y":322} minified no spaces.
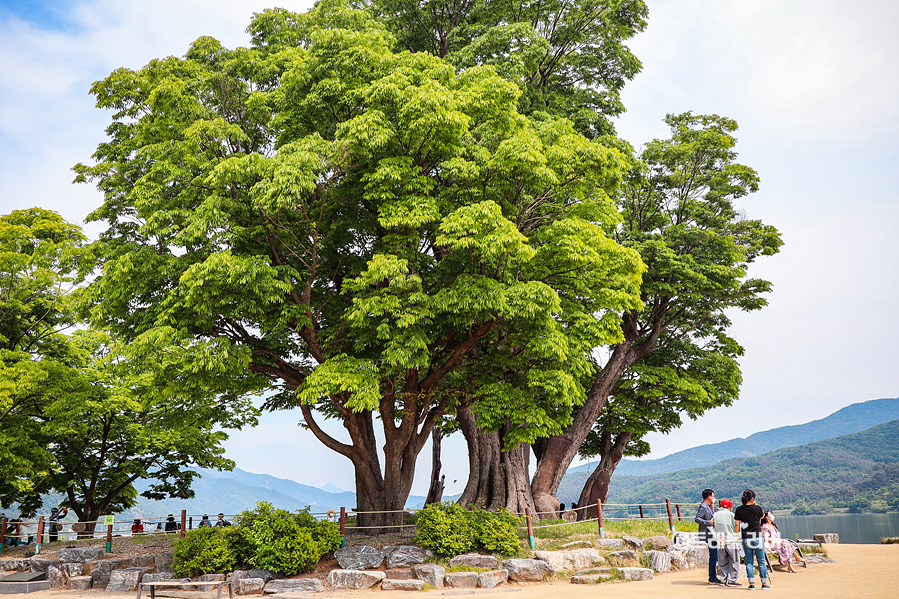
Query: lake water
{"x":852,"y":528}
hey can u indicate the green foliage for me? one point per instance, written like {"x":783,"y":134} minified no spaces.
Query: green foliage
{"x":370,"y":233}
{"x":289,"y":543}
{"x":814,"y":478}
{"x":204,"y":550}
{"x":449,"y":529}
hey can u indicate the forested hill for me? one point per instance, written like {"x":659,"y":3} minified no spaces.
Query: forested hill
{"x":851,"y":419}
{"x":827,"y":473}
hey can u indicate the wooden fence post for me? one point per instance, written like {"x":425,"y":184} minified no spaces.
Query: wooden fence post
{"x":678,"y":513}
{"x":109,"y":539}
{"x":531,"y":541}
{"x":641,"y":511}
{"x":183,"y":522}
{"x":3,"y":535}
{"x":342,"y":527}
{"x":40,"y":535}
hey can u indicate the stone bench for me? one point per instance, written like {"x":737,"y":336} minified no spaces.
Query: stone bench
{"x":179,"y":584}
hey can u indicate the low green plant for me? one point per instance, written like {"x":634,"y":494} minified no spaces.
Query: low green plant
{"x":202,"y":551}
{"x":450,"y":529}
{"x":285,"y":542}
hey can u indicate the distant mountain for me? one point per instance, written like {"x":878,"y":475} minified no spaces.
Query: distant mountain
{"x":851,"y":419}
{"x":331,"y":488}
{"x":833,"y":471}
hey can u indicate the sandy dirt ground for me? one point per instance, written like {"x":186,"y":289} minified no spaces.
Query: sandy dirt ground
{"x":861,"y":571}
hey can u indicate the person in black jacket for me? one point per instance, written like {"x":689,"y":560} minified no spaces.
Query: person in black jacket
{"x":170,"y":524}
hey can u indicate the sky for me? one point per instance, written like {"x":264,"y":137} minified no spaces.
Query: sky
{"x":813,"y":84}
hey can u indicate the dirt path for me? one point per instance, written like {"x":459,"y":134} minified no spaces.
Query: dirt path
{"x":861,"y":571}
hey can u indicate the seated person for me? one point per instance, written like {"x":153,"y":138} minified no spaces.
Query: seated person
{"x":784,"y":548}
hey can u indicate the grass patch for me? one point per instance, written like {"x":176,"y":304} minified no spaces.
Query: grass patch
{"x":468,"y":569}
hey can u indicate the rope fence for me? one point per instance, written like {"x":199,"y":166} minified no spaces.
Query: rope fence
{"x":17,"y":531}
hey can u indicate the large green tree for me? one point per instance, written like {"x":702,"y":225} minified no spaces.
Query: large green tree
{"x":122,"y":420}
{"x":43,"y":260}
{"x":370,"y":233}
{"x":679,"y":211}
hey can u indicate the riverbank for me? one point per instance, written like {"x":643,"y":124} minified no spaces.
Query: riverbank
{"x":860,"y":571}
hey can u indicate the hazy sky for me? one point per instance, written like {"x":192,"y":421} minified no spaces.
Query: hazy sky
{"x":813,"y":85}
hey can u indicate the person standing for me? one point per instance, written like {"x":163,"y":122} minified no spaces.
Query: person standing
{"x":748,"y":519}
{"x":728,"y":544}
{"x":205,"y":523}
{"x":705,"y":516}
{"x":56,"y":515}
{"x":221,"y":520}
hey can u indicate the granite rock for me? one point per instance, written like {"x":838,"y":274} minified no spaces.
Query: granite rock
{"x":657,"y":542}
{"x":359,"y":558}
{"x":125,"y":580}
{"x":461,"y":580}
{"x":632,"y":542}
{"x":354,"y":579}
{"x":623,"y":555}
{"x":636,"y":573}
{"x":400,"y":575}
{"x":79,"y":583}
{"x":80,"y":555}
{"x":56,"y":576}
{"x":474,"y":560}
{"x":209,"y":578}
{"x":574,"y":559}
{"x":406,"y":555}
{"x":828,"y":537}
{"x":163,"y":562}
{"x":250,"y":586}
{"x":526,"y":570}
{"x":294,"y":585}
{"x":659,"y":561}
{"x":430,"y":573}
{"x":493,"y":578}
{"x":404,"y":584}
{"x":613,"y":544}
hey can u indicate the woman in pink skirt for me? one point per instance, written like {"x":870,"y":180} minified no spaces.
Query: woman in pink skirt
{"x":784,"y":548}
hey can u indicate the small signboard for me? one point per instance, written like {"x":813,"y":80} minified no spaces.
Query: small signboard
{"x":108,"y":520}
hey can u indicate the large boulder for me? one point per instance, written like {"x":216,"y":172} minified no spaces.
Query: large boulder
{"x":163,"y":562}
{"x":828,"y":537}
{"x":461,"y":580}
{"x":72,"y":568}
{"x":636,"y":573}
{"x":526,"y":570}
{"x":493,"y":578}
{"x":678,"y":558}
{"x":403,"y":584}
{"x":79,"y":583}
{"x":592,"y":576}
{"x":613,"y":544}
{"x":474,"y":560}
{"x":56,"y":576}
{"x":40,"y":564}
{"x":659,"y":561}
{"x":81,"y":554}
{"x":359,"y":558}
{"x":574,"y":559}
{"x":209,"y":578}
{"x":698,"y":556}
{"x":406,"y":555}
{"x":622,"y":556}
{"x":294,"y":585}
{"x":430,"y":573}
{"x":657,"y":542}
{"x":141,"y":561}
{"x":160,"y":577}
{"x":250,"y":586}
{"x":101,"y":571}
{"x":265,"y":575}
{"x":125,"y":580}
{"x":632,"y":542}
{"x":354,"y":579}
{"x":397,"y":574}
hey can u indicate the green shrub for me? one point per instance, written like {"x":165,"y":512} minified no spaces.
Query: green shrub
{"x":450,"y":529}
{"x":203,"y":551}
{"x":444,"y":529}
{"x":284,"y":542}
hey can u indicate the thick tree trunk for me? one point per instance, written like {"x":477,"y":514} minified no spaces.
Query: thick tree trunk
{"x":435,"y":491}
{"x":596,"y":489}
{"x":557,"y":452}
{"x":496,"y":479}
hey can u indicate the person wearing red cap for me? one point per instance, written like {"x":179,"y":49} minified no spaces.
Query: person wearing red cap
{"x":728,"y":544}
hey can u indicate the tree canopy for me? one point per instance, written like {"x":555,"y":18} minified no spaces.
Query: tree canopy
{"x":43,"y":260}
{"x":678,"y":209}
{"x":369,"y":232}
